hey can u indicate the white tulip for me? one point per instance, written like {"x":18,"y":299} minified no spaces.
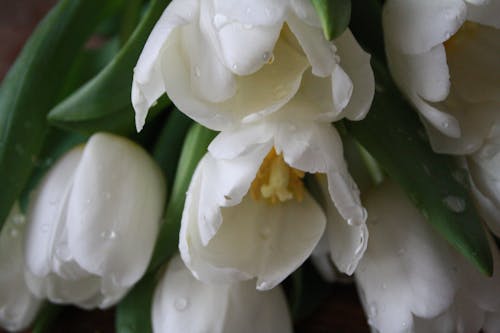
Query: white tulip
{"x":484,"y":170}
{"x":247,"y":213}
{"x":444,"y":56}
{"x":183,"y":304}
{"x":93,"y":223}
{"x":18,"y":306}
{"x":411,"y":280}
{"x":224,"y":63}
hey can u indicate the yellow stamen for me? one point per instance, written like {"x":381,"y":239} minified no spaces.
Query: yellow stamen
{"x":276,"y":181}
{"x":466,"y":32}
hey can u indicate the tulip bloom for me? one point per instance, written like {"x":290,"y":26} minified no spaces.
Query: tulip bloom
{"x":444,"y":56}
{"x":18,"y":306}
{"x":183,"y":304}
{"x":411,"y":280}
{"x":93,"y":222}
{"x":224,"y":63}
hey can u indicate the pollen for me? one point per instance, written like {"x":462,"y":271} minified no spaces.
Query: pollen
{"x":466,"y":32}
{"x":276,"y":181}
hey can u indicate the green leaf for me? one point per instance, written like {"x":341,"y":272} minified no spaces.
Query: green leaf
{"x":34,"y":84}
{"x":104,"y":102}
{"x":195,"y":147}
{"x":169,"y":144}
{"x":392,"y":134}
{"x":133,"y":314}
{"x":46,"y":317}
{"x":334,"y":16}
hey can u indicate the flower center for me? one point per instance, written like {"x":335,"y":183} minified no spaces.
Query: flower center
{"x":276,"y":181}
{"x":467,"y":31}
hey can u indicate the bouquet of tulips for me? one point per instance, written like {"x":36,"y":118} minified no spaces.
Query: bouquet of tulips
{"x":182,"y":160}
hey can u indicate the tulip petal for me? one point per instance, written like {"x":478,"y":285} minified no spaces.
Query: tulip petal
{"x":111,"y":232}
{"x":356,"y":63}
{"x":254,"y":240}
{"x":317,"y":148}
{"x":240,"y":58}
{"x":306,"y":12}
{"x":224,"y":184}
{"x":47,"y":213}
{"x":18,"y":305}
{"x":347,"y":243}
{"x":182,"y":303}
{"x":320,"y":52}
{"x":416,"y":26}
{"x":255,"y":12}
{"x":402,"y":257}
{"x":257,"y":95}
{"x":148,"y":85}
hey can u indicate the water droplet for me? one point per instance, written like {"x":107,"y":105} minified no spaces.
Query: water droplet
{"x":384,"y":286}
{"x":268,"y":57}
{"x":234,"y":67}
{"x":247,"y":26}
{"x":227,"y":197}
{"x":455,"y":204}
{"x":219,"y":21}
{"x":181,"y":303}
{"x":19,"y":219}
{"x":404,"y":324}
{"x":197,"y":71}
{"x":109,"y":234}
{"x":360,"y":246}
{"x":88,"y":201}
{"x":373,"y":311}
{"x":248,"y":10}
{"x":447,"y":35}
{"x":14,"y":233}
{"x":63,"y":252}
{"x":263,"y":285}
{"x":445,"y":124}
{"x":461,"y":177}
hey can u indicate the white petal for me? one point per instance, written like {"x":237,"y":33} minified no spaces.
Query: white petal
{"x":18,"y":306}
{"x":341,"y":89}
{"x":257,"y":95}
{"x":255,"y":12}
{"x":406,"y":268}
{"x":317,"y":148}
{"x":320,"y":257}
{"x":224,"y":184}
{"x":182,"y":303}
{"x":46,"y":216}
{"x":476,"y":121}
{"x":416,"y":26}
{"x":306,"y":12}
{"x":234,"y":142}
{"x":255,"y":240}
{"x":356,"y":63}
{"x":115,"y":208}
{"x":319,"y":51}
{"x":238,"y":56}
{"x":347,"y":243}
{"x":148,"y":83}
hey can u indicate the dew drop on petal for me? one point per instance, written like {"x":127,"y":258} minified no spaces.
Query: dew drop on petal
{"x":197,"y":71}
{"x":63,"y":252}
{"x":454,"y":203}
{"x":445,"y":124}
{"x":109,"y":234}
{"x":19,"y":219}
{"x":263,"y":285}
{"x":247,"y":26}
{"x":14,"y":233}
{"x":181,"y":303}
{"x":219,"y":21}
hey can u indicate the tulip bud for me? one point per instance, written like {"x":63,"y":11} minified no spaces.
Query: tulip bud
{"x":93,"y":222}
{"x":184,"y":304}
{"x":18,"y":306}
